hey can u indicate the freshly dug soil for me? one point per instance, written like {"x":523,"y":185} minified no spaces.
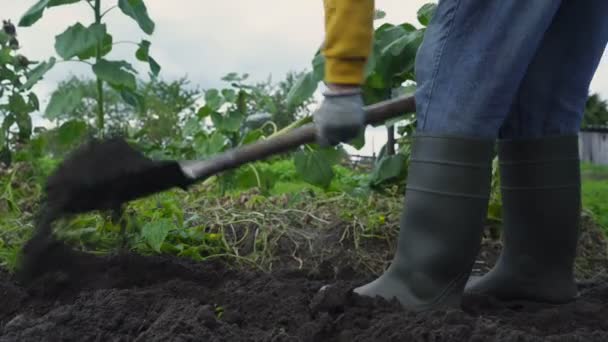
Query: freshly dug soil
{"x":104,"y":174}
{"x":136,"y":298}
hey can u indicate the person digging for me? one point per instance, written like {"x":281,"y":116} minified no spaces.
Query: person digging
{"x":511,"y":73}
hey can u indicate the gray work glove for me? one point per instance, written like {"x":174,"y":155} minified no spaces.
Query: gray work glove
{"x":340,"y":118}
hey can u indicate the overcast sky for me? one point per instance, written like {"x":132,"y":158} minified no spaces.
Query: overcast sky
{"x":205,"y":39}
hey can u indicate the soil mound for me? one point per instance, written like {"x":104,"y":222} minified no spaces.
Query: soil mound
{"x":136,"y":298}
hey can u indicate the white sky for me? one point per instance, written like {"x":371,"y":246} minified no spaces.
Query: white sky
{"x":206,"y":39}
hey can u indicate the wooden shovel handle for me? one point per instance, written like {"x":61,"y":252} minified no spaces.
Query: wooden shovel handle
{"x":376,"y":114}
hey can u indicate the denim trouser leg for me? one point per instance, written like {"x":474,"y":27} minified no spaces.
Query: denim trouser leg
{"x":552,"y":95}
{"x":472,"y":60}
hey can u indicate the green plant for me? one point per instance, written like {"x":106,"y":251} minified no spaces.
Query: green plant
{"x":596,"y":112}
{"x":595,"y":192}
{"x":17,"y":100}
{"x":389,"y":71}
{"x":158,"y":122}
{"x":91,"y":45}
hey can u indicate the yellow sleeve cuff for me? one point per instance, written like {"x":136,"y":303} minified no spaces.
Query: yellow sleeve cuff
{"x":343,"y":71}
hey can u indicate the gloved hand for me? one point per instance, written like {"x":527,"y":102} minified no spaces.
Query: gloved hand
{"x":340,"y":117}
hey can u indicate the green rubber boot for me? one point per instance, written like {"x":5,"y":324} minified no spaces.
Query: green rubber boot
{"x":445,"y":207}
{"x":540,"y":182}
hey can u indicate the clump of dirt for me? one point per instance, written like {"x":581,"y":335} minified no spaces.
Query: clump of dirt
{"x":103,"y":174}
{"x":82,"y":297}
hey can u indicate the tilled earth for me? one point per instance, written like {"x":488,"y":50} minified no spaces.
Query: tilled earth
{"x":135,"y":298}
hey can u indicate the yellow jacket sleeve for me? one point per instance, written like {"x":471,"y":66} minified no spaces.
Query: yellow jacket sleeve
{"x":348,"y":39}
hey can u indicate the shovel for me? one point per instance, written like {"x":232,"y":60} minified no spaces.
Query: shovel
{"x":102,"y":175}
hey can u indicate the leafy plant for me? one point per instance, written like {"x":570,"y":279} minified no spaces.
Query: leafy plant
{"x":91,"y":44}
{"x":389,"y":72}
{"x":17,"y":100}
{"x":159,"y":121}
{"x":596,"y":112}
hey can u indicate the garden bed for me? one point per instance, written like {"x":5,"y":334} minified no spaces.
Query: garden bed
{"x":162,"y":298}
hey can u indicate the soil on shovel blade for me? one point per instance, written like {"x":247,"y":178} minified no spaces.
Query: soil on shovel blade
{"x":136,"y":298}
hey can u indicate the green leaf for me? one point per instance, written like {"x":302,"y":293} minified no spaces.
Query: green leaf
{"x":397,"y":58}
{"x":313,"y":168}
{"x":71,"y":132}
{"x":407,"y":40}
{"x":318,"y":67}
{"x":3,"y":134}
{"x":154,"y":66}
{"x":115,"y":74}
{"x":370,"y":65}
{"x":192,"y":252}
{"x":6,"y":156}
{"x":21,"y":109}
{"x":33,"y":102}
{"x":54,"y":3}
{"x":234,"y":77}
{"x":192,"y":126}
{"x":389,"y":169}
{"x":143,"y":54}
{"x":387,"y":33}
{"x":137,"y":10}
{"x":206,"y":146}
{"x":155,"y":233}
{"x":79,"y":40}
{"x":17,"y":105}
{"x":9,"y":120}
{"x":213,"y":100}
{"x":379,"y":14}
{"x":143,"y":50}
{"x":33,"y":14}
{"x":230,"y":121}
{"x":3,"y":37}
{"x":252,"y":136}
{"x":302,"y":90}
{"x":6,"y":58}
{"x":333,"y":155}
{"x":203,"y":112}
{"x":307,"y":84}
{"x":251,"y":176}
{"x":106,"y":47}
{"x":37,"y":73}
{"x":24,"y":123}
{"x":62,"y":102}
{"x":133,"y":98}
{"x":229,"y":95}
{"x":426,"y":12}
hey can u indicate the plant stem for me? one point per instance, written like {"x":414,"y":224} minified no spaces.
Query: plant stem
{"x":108,"y":10}
{"x":73,"y":61}
{"x":126,"y":42}
{"x":88,"y":3}
{"x":390,"y":132}
{"x":390,"y":140}
{"x":100,"y":109}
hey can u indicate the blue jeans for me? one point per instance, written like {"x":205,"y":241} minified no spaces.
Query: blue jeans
{"x":509,"y":68}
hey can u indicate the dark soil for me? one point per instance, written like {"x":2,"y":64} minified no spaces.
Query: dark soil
{"x":103,"y":174}
{"x":135,"y":298}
